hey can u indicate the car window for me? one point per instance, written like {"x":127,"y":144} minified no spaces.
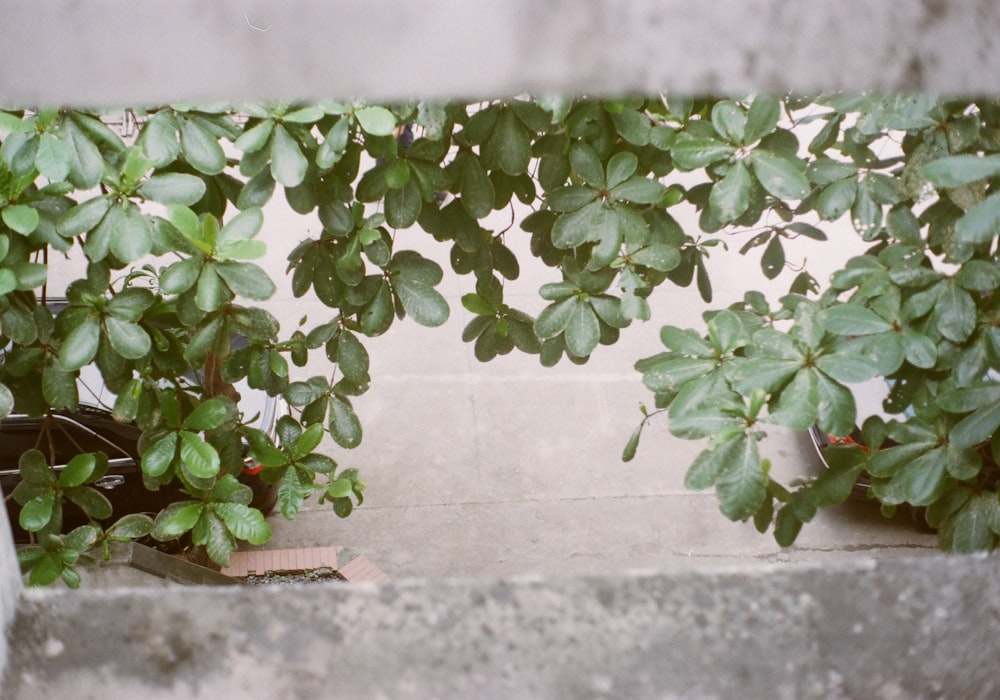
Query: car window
{"x":65,"y":438}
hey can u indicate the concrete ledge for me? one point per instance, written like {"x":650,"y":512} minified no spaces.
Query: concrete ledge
{"x":893,"y":629}
{"x":112,"y":52}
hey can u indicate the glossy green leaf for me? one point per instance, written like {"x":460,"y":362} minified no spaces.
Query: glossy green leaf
{"x":80,"y":345}
{"x":852,"y":319}
{"x":20,"y":218}
{"x":288,"y":165}
{"x":837,"y":198}
{"x":256,"y":137}
{"x":173,"y":188}
{"x":639,"y":190}
{"x":201,"y":149}
{"x":176,"y":519}
{"x":955,"y":171}
{"x":132,"y":238}
{"x":128,"y":339}
{"x":762,"y":118}
{"x":345,"y":428}
{"x":198,"y":456}
{"x":422,"y":303}
{"x":690,"y":152}
{"x":246,"y":279}
{"x":981,"y":223}
{"x":36,"y":513}
{"x":377,"y":121}
{"x":782,"y":176}
{"x":729,"y":121}
{"x":511,"y":143}
{"x":582,"y":331}
{"x":157,"y":458}
{"x":742,"y":485}
{"x":243,"y":522}
{"x":730,"y":196}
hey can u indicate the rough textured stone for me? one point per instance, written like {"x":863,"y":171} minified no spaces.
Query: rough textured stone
{"x":887,"y":629}
{"x":301,"y":48}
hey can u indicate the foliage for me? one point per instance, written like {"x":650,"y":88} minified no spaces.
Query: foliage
{"x":168,"y":224}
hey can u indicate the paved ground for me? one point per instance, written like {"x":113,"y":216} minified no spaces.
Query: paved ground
{"x":510,"y":468}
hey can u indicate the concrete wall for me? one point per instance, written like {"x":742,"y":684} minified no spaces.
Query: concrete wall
{"x":116,"y":51}
{"x":862,"y":629}
{"x":894,"y":629}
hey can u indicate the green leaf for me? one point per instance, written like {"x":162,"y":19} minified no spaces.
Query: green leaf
{"x":852,"y":319}
{"x":403,"y":205}
{"x":729,"y":121}
{"x":835,"y":407}
{"x":422,"y":303}
{"x":173,"y":188}
{"x":587,"y":164}
{"x":691,"y":152}
{"x":762,"y":118}
{"x":345,"y":428}
{"x":211,"y":292}
{"x":956,"y":171}
{"x":511,"y":144}
{"x":246,"y":279}
{"x":128,"y":339}
{"x":781,"y":176}
{"x":570,"y":197}
{"x":132,"y":526}
{"x":837,"y":198}
{"x":255,"y":138}
{"x":176,"y":519}
{"x":977,"y":427}
{"x":180,"y":276}
{"x":157,"y":458}
{"x":710,"y":463}
{"x":955,"y":313}
{"x":377,"y":121}
{"x":209,"y":415}
{"x":657,"y":256}
{"x":201,"y":149}
{"x":919,"y":482}
{"x":244,"y":522}
{"x":198,"y":456}
{"x":742,"y":486}
{"x":288,"y":165}
{"x":37,"y":512}
{"x":59,"y":386}
{"x":589,"y":223}
{"x":477,"y":305}
{"x":92,"y":502}
{"x":981,"y":223}
{"x":159,"y":139}
{"x":80,"y":345}
{"x":583,"y":331}
{"x":554,"y":318}
{"x":970,"y":529}
{"x":20,"y":218}
{"x":795,"y":406}
{"x":54,"y":157}
{"x":133,"y":237}
{"x":332,"y":148}
{"x":621,"y":167}
{"x":83,"y":217}
{"x":639,"y":190}
{"x":730,"y":196}
{"x":633,"y":443}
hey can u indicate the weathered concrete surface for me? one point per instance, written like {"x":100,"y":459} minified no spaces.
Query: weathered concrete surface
{"x":866,"y":629}
{"x":112,"y":51}
{"x":10,"y":585}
